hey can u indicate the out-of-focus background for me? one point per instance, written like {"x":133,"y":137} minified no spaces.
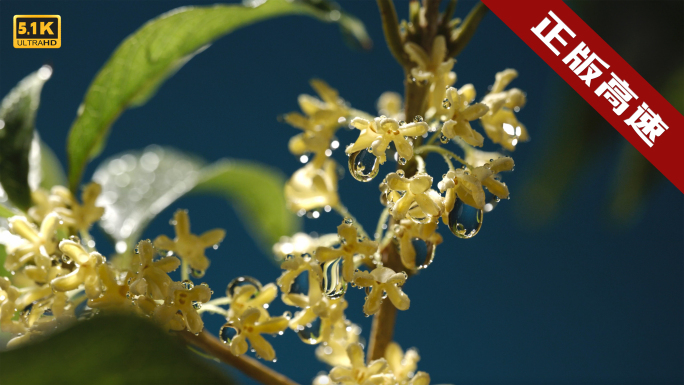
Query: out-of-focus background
{"x":577,"y":279}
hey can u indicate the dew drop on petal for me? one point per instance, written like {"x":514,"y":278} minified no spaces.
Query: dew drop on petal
{"x":227,"y":332}
{"x":196,"y":273}
{"x":443,"y":139}
{"x":402,"y":161}
{"x":196,"y":305}
{"x":187,"y":284}
{"x":363,"y":165}
{"x":418,"y":119}
{"x":242,"y":281}
{"x":464,"y":220}
{"x":446,"y":103}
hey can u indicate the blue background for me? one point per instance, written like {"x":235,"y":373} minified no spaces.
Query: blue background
{"x":576,"y":300}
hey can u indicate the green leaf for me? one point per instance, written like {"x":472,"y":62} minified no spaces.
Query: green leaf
{"x":159,"y":48}
{"x":108,"y":350}
{"x":256,"y":192}
{"x":138,"y":185}
{"x":17,"y":121}
{"x":52,"y":172}
{"x":3,"y":256}
{"x":5,"y":212}
{"x":461,"y":36}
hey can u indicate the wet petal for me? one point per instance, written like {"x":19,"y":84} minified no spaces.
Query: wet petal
{"x":212,"y":237}
{"x":262,"y":347}
{"x":364,"y":279}
{"x":373,"y":301}
{"x":238,"y":346}
{"x":272,"y":326}
{"x":182,"y":223}
{"x":163,"y":242}
{"x":398,"y":297}
{"x":327,"y":253}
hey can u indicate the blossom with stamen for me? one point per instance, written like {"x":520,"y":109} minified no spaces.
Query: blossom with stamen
{"x":379,"y":133}
{"x":416,"y":189}
{"x":461,"y":113}
{"x":382,"y":280}
{"x":350,"y":246}
{"x":500,"y":123}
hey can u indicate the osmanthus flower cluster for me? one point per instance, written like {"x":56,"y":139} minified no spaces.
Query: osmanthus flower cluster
{"x":59,"y":277}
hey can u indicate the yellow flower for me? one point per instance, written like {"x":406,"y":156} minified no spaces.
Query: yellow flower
{"x":293,"y":267}
{"x":378,"y":134}
{"x":8,"y":297}
{"x":500,"y":123}
{"x":84,"y":273}
{"x":391,"y":105}
{"x":461,"y":113}
{"x":350,"y":247}
{"x":333,"y":350}
{"x":323,"y":118}
{"x":403,"y":366}
{"x":357,"y":373}
{"x":429,"y":66}
{"x":311,"y":188}
{"x":302,"y":243}
{"x":409,"y":231}
{"x":382,"y":280}
{"x":151,"y":277}
{"x":415,"y":190}
{"x":250,"y":297}
{"x":186,"y":301}
{"x":40,"y":243}
{"x":188,"y":246}
{"x":76,"y":215}
{"x":44,"y":202}
{"x":251,"y":324}
{"x":468,"y":186}
{"x":114,"y":295}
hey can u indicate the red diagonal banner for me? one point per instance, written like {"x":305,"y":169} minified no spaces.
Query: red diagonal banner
{"x":601,"y":77}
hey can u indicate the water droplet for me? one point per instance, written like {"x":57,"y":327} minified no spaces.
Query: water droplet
{"x":66,"y":259}
{"x":287,"y":315}
{"x":128,"y":295}
{"x":465,"y":220}
{"x":275,"y":360}
{"x":446,"y":103}
{"x":242,"y":281}
{"x":196,"y":305}
{"x":227,"y":332}
{"x":418,"y":119}
{"x":348,"y":221}
{"x":74,"y":238}
{"x":300,"y":285}
{"x":402,"y":122}
{"x":491,"y":201}
{"x":196,"y":273}
{"x":206,"y":285}
{"x":402,"y":161}
{"x":401,"y":173}
{"x":187,"y":284}
{"x":333,"y":285}
{"x":311,"y":332}
{"x":425,"y":252}
{"x":363,"y":165}
{"x":444,"y":139}
{"x":417,"y":214}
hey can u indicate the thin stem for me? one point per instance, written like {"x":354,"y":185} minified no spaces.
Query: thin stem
{"x":434,"y":137}
{"x":86,"y":237}
{"x":185,"y":274}
{"x":448,"y":162}
{"x":429,"y":148}
{"x":219,"y":301}
{"x":245,"y":364}
{"x":420,"y":163}
{"x":207,"y":307}
{"x":344,"y":213}
{"x":390,"y":26}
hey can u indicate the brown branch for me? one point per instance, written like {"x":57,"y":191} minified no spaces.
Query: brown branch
{"x":382,"y":330}
{"x":247,"y":365}
{"x":431,"y":22}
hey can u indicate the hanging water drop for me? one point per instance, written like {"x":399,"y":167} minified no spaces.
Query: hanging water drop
{"x":417,"y":214}
{"x":444,"y":139}
{"x":446,"y":103}
{"x":66,"y":259}
{"x":418,"y":119}
{"x":227,"y":332}
{"x":425,"y":252}
{"x":402,"y":161}
{"x":311,"y":332}
{"x":465,"y":220}
{"x":196,"y":273}
{"x":401,"y":173}
{"x":348,"y":221}
{"x":242,"y":281}
{"x":333,"y":285}
{"x":196,"y":305}
{"x":187,"y":284}
{"x":363,"y":165}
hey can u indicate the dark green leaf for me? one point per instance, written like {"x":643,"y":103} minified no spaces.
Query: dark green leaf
{"x":5,"y":212}
{"x":108,"y":350}
{"x":17,"y":121}
{"x":3,"y":256}
{"x":154,"y":52}
{"x":52,"y":172}
{"x":256,"y":192}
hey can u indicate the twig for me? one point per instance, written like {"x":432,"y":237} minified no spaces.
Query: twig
{"x":247,"y":365}
{"x":390,"y":25}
